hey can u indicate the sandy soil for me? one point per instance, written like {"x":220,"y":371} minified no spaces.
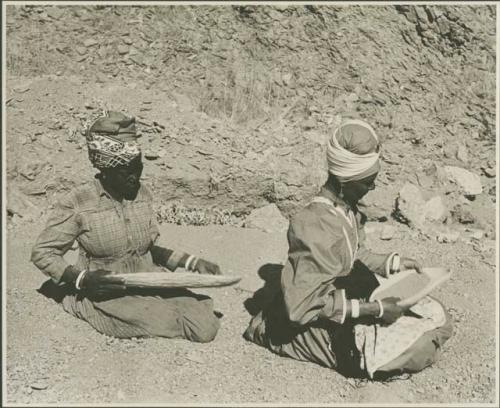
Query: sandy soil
{"x":49,"y":349}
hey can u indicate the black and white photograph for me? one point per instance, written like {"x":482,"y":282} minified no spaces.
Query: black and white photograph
{"x":250,"y":203}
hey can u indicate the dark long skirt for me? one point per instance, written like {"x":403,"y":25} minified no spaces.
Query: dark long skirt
{"x":172,"y":313}
{"x":333,"y":345}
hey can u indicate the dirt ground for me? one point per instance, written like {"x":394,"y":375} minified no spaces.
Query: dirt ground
{"x":49,"y":349}
{"x":234,"y":105}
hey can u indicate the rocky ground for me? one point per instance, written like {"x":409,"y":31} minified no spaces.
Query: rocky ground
{"x":235,"y":105}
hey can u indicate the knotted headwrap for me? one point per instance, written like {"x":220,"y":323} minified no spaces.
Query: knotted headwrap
{"x":353,"y":151}
{"x":111,"y":140}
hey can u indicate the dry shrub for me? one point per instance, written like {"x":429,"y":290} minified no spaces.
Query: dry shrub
{"x":245,"y":94}
{"x":176,"y":213}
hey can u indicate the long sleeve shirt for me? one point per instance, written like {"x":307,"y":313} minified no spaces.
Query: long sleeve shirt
{"x":112,"y":235}
{"x":325,"y":238}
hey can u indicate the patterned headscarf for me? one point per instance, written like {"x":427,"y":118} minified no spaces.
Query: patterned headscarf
{"x":353,"y":151}
{"x":111,"y":140}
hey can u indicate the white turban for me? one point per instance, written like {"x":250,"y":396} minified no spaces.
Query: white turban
{"x":357,"y":156}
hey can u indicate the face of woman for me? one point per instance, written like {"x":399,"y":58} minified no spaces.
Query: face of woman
{"x":125,"y":179}
{"x":356,"y":190}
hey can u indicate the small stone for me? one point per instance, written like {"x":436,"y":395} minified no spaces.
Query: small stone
{"x":388,"y":232}
{"x":469,"y":183}
{"x":138,"y":59}
{"x":449,"y":151}
{"x":462,"y":215}
{"x":55,"y":12}
{"x":477,"y":234}
{"x":489,"y":171}
{"x":151,"y":155}
{"x":447,"y":236}
{"x":90,"y":42}
{"x":287,"y":79}
{"x":81,"y":50}
{"x":425,"y":181}
{"x":127,"y":40}
{"x":308,"y":124}
{"x":352,"y":97}
{"x":39,"y":385}
{"x":462,"y":154}
{"x":122,"y":49}
{"x":22,"y":89}
{"x":101,"y":78}
{"x":485,"y":246}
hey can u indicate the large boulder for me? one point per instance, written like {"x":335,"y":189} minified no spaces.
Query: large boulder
{"x":410,"y":206}
{"x":413,"y":209}
{"x":268,"y":218}
{"x":435,"y":209}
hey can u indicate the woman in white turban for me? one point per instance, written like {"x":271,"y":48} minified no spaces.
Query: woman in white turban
{"x":321,"y":312}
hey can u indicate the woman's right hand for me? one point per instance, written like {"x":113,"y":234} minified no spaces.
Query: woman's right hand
{"x":101,"y":282}
{"x":392,"y":311}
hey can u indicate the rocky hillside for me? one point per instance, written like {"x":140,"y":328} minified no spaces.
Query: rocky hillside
{"x":235,"y":103}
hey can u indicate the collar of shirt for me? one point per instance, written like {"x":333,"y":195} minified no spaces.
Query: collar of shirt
{"x":337,"y":201}
{"x":103,"y":193}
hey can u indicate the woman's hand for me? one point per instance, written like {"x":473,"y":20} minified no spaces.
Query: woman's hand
{"x":410,"y":263}
{"x":100,"y":282}
{"x":392,"y":311}
{"x":207,"y":267}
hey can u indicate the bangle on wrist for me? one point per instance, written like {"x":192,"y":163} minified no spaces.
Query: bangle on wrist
{"x":79,"y":279}
{"x":187,"y":265}
{"x":354,"y":308}
{"x":381,"y":308}
{"x":396,"y":263}
{"x":194,"y":263}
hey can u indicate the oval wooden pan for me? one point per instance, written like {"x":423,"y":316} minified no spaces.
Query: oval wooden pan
{"x":158,"y":280}
{"x":410,"y":285}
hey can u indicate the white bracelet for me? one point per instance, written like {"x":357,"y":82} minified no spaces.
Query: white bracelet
{"x":396,"y":263}
{"x":194,"y":263}
{"x":79,"y":279}
{"x":188,"y":262}
{"x":354,"y":308}
{"x":381,"y":307}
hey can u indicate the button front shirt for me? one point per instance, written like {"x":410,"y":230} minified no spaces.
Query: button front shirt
{"x":111,"y":235}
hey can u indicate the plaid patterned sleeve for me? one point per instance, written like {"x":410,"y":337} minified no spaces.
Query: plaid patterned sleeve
{"x":56,"y":239}
{"x":167,"y":257}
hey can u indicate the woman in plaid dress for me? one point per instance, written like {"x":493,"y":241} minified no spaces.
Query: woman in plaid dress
{"x":113,"y":221}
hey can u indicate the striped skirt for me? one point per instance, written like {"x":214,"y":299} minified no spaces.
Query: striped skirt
{"x":177,"y":313}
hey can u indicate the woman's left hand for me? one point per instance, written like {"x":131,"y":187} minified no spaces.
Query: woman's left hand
{"x":207,"y":267}
{"x":410,"y":263}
